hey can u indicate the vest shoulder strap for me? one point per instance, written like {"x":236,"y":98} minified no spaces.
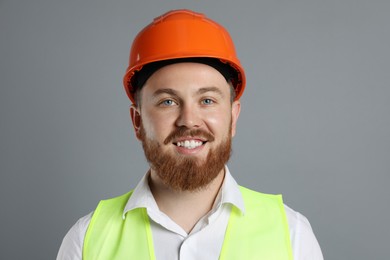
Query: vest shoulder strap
{"x":261,"y":233}
{"x":110,"y":236}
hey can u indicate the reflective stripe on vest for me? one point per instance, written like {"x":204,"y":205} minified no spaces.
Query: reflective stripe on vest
{"x":261,"y":233}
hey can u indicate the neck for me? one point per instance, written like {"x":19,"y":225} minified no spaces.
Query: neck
{"x":185,"y":208}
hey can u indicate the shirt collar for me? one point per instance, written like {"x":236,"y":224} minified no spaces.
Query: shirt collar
{"x":142,"y":196}
{"x":230,"y":192}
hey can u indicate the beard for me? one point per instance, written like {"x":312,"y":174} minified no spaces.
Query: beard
{"x":186,"y":173}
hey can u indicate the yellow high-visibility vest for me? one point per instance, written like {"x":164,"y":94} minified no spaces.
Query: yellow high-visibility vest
{"x":261,"y":233}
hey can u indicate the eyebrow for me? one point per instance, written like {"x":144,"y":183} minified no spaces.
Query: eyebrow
{"x":165,"y":91}
{"x":210,"y":89}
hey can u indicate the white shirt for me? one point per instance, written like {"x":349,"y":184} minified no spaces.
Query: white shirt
{"x":205,"y":240}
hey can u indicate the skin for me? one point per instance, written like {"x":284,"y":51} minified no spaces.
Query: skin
{"x":191,"y":96}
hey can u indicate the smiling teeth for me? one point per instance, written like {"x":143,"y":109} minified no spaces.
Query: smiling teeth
{"x":189,"y":144}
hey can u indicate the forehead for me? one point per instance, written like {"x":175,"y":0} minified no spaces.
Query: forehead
{"x":186,"y":78}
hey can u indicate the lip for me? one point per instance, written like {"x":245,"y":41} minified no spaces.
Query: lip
{"x":186,"y":151}
{"x":189,"y":138}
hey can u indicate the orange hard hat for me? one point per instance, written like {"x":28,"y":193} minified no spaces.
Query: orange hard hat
{"x":182,"y":34}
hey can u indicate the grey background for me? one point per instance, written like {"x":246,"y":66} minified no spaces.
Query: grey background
{"x":314,"y":125}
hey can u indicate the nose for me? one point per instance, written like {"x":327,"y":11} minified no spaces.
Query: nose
{"x":189,"y":117}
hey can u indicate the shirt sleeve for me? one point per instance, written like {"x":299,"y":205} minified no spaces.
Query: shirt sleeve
{"x":303,"y":241}
{"x":72,"y":244}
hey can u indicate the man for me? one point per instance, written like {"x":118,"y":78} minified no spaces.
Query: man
{"x":185,"y":81}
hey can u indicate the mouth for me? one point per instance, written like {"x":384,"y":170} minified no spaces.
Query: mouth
{"x":189,"y":143}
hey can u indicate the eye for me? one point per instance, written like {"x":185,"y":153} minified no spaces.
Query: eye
{"x":207,"y":101}
{"x":168,"y":102}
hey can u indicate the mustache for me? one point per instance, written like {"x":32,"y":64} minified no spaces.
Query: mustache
{"x":184,"y":132}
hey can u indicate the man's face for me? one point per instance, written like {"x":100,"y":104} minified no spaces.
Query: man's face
{"x":185,"y":122}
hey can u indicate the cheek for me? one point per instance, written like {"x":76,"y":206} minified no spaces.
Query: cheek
{"x":148,"y":124}
{"x":213,"y":121}
{"x":156,"y":127}
{"x":218,"y":122}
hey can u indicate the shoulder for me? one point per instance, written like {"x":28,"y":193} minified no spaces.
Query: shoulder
{"x":72,"y":244}
{"x":298,"y":223}
{"x":303,"y":241}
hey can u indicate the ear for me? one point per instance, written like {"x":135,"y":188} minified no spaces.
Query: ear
{"x":236,"y":108}
{"x":136,"y":119}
